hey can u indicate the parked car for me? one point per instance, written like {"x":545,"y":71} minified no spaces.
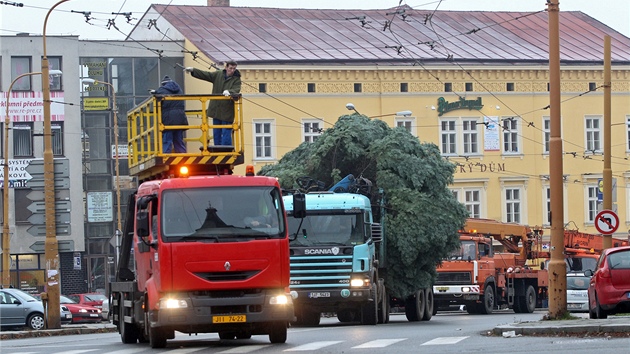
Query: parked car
{"x":609,"y":288}
{"x":65,"y":315}
{"x":90,"y":299}
{"x":19,"y":309}
{"x":577,"y":292}
{"x":81,"y":313}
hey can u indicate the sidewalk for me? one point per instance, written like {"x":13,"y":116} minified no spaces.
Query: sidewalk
{"x":611,"y":325}
{"x":68,"y":329}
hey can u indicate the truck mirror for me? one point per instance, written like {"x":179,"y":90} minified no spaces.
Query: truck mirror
{"x":142,"y":223}
{"x":299,"y":205}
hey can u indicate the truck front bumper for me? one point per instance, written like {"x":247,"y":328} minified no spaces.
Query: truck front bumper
{"x":329,"y":296}
{"x":456,"y":292}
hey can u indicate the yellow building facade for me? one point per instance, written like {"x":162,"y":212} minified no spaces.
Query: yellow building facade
{"x":492,"y":122}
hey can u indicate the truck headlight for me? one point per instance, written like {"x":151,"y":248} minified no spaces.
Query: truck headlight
{"x":358,"y":282}
{"x":173,"y":303}
{"x":280,"y":300}
{"x":465,"y":289}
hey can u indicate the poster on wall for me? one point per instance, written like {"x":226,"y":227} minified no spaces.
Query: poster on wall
{"x":491,"y":134}
{"x":100,"y":207}
{"x":29,"y":106}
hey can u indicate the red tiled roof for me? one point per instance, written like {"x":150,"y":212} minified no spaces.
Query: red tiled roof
{"x":303,"y":36}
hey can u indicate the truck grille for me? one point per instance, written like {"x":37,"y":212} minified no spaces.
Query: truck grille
{"x":319,"y":272}
{"x":453,"y":278}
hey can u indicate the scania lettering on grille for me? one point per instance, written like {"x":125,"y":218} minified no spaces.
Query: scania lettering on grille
{"x":334,"y":251}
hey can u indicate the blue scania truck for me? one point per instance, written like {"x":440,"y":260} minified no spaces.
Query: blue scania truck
{"x":337,"y":260}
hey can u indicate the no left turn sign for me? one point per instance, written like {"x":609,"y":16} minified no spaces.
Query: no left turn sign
{"x":607,"y":222}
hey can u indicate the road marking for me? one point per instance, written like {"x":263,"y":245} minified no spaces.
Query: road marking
{"x":79,"y":351}
{"x":379,"y":343}
{"x":184,"y":351}
{"x":127,"y":351}
{"x":444,"y":340}
{"x":313,"y":346}
{"x":246,"y":348}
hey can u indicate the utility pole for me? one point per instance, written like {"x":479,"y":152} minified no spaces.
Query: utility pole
{"x":607,"y":241}
{"x":557,"y":270}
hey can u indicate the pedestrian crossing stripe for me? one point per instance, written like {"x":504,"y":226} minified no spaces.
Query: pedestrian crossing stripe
{"x":246,"y":349}
{"x":444,"y":340}
{"x":313,"y":346}
{"x":379,"y":343}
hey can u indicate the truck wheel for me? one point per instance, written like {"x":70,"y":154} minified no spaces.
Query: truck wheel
{"x":383,"y":309}
{"x":517,"y":304}
{"x":487,"y":305}
{"x":529,"y":300}
{"x":157,"y":337}
{"x":227,"y":335}
{"x":345,"y":315}
{"x":278,"y":333}
{"x":472,"y":308}
{"x":435,"y":309}
{"x":414,"y":306}
{"x":128,"y":331}
{"x":311,"y":318}
{"x":369,"y":311}
{"x":429,"y":304}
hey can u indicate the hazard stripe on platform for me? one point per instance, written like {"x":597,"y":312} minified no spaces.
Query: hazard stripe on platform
{"x":199,"y":160}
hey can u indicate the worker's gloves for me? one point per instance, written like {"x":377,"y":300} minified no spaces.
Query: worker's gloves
{"x":188,"y":69}
{"x":152,"y":92}
{"x":226,"y":93}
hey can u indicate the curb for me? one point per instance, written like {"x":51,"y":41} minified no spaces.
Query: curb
{"x":567,"y":329}
{"x":56,"y":332}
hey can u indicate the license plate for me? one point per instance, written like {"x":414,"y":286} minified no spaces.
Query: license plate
{"x":315,"y":295}
{"x":93,"y":315}
{"x":229,"y":319}
{"x":574,"y":306}
{"x":442,"y":288}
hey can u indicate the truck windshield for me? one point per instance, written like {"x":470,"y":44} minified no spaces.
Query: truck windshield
{"x":466,"y":249}
{"x":317,"y":230}
{"x":225,"y":214}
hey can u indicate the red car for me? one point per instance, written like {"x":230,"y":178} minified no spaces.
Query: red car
{"x":609,"y":289}
{"x":81,"y":313}
{"x":90,"y":299}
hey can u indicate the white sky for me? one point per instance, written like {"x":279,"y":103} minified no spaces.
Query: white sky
{"x":30,"y":18}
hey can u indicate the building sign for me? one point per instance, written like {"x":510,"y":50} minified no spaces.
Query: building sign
{"x":446,"y":106}
{"x":491,"y":134}
{"x":100,"y":207}
{"x":18,"y":175}
{"x":122,"y":151}
{"x":96,"y":103}
{"x":29,"y":106}
{"x":478,"y":167}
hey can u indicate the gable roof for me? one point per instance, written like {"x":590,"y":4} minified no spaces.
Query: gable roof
{"x":252,"y":35}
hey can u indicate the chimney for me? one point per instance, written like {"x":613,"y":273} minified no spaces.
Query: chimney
{"x":219,"y":3}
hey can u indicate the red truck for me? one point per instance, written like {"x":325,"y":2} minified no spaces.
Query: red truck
{"x":482,"y":280}
{"x":189,"y":261}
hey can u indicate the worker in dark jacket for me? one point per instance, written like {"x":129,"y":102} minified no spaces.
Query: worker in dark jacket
{"x":228,"y":83}
{"x":173,"y":113}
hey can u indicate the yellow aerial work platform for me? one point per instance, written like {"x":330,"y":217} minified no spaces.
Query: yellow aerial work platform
{"x":145,"y":128}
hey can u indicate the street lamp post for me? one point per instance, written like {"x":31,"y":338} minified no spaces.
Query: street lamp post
{"x":51,"y":247}
{"x":6,"y":240}
{"x":117,"y":164}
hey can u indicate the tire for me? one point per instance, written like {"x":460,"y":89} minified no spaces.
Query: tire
{"x":369,"y":311}
{"x":529,"y":300}
{"x":487,"y":305}
{"x":429,"y":306}
{"x":227,"y":335}
{"x":35,"y":321}
{"x":311,"y":318}
{"x":345,"y":316}
{"x":414,"y":306}
{"x":472,"y":308}
{"x":157,"y":337}
{"x":128,"y":332}
{"x":278,"y":333}
{"x":599,"y":311}
{"x":517,"y":304}
{"x":591,"y":311}
{"x":383,"y":308}
{"x":435,"y":309}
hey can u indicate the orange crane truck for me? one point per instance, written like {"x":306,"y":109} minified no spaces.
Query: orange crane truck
{"x":189,"y":260}
{"x":482,"y":280}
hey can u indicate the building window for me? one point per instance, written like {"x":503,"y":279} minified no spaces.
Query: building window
{"x":19,"y":66}
{"x":22,"y":139}
{"x":57,"y":138}
{"x":593,"y":135}
{"x":469,"y":86}
{"x":455,"y":193}
{"x":404,"y":87}
{"x":448,"y":137}
{"x":473,"y":203}
{"x":262,"y":87}
{"x":358,"y":87}
{"x":310,"y":87}
{"x":263,"y":137}
{"x":312,"y":130}
{"x":513,"y":205}
{"x":628,"y":131}
{"x":471,"y":141}
{"x":407,"y":123}
{"x":592,"y":86}
{"x":448,"y":87}
{"x":509,"y":86}
{"x":547,"y":206}
{"x":510,"y":136}
{"x":548,"y":87}
{"x":546,"y":133}
{"x":592,"y":201}
{"x":54,"y":63}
